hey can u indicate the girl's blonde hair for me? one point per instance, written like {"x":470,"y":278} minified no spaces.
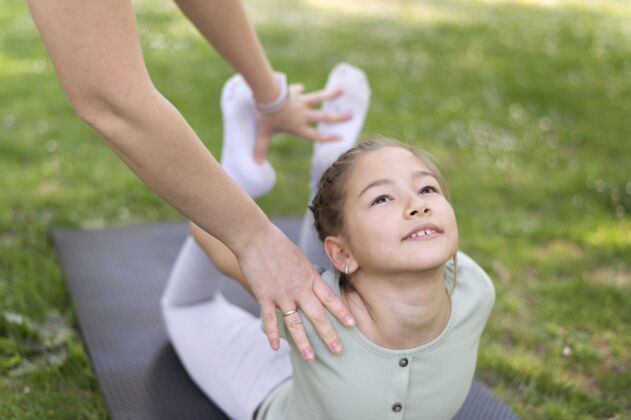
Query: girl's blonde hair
{"x":328,"y":204}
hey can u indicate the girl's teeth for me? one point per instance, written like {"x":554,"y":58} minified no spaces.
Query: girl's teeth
{"x":421,"y":233}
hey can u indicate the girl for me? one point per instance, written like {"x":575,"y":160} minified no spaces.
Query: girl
{"x":388,"y":229}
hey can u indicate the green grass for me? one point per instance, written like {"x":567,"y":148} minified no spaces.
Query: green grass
{"x":525,"y":104}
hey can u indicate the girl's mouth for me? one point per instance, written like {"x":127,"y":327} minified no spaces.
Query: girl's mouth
{"x":426,"y":231}
{"x":423,"y":234}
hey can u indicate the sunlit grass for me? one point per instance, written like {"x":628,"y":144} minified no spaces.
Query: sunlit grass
{"x":611,"y":235}
{"x":525,"y":103}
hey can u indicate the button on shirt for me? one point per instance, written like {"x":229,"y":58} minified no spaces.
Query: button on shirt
{"x":368,"y":381}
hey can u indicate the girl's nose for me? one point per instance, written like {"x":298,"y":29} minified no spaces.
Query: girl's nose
{"x":417,"y":207}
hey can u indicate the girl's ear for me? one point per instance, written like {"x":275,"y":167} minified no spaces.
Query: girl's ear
{"x":337,"y":251}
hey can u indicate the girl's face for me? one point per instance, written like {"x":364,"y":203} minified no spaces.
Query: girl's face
{"x":396,"y":216}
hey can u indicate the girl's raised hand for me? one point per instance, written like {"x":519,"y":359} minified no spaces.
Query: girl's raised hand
{"x":280,"y":276}
{"x":296,"y":117}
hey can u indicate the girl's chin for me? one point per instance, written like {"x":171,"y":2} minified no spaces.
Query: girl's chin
{"x":427,"y":260}
{"x":418,"y":266}
{"x":430,"y":262}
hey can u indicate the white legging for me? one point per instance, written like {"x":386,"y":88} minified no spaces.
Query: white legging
{"x":222,"y":346}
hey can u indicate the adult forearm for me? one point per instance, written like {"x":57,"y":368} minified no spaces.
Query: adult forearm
{"x":220,"y":255}
{"x":95,"y":49}
{"x":226,"y":27}
{"x":157,"y":144}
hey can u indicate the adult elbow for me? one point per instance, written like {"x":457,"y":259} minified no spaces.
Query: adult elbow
{"x":91,"y":105}
{"x":105,"y":110}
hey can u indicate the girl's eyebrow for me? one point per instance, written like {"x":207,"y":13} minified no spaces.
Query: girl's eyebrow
{"x":376,"y":184}
{"x":384,"y":181}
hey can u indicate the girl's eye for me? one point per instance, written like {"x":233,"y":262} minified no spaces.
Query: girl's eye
{"x":380,"y":199}
{"x":427,"y":190}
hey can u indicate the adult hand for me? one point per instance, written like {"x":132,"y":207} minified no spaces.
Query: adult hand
{"x":296,"y":118}
{"x":280,"y":276}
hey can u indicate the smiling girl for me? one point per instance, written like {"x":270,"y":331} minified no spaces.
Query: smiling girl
{"x":389,"y":231}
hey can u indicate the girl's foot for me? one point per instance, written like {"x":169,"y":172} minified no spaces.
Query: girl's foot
{"x":239,"y":137}
{"x":355,"y":100}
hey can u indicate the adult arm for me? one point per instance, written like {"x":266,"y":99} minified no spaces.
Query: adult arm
{"x":224,"y":24}
{"x":220,"y":255}
{"x":95,"y":50}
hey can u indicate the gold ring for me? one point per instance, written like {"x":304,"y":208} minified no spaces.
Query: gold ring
{"x":286,"y":314}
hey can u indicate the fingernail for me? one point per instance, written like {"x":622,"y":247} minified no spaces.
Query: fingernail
{"x":308,"y":353}
{"x":275,"y":344}
{"x":349,"y":321}
{"x":336,"y":346}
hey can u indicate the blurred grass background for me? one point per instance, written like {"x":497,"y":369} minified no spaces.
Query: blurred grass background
{"x":525,"y":103}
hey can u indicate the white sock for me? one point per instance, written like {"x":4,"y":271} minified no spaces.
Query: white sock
{"x":355,"y":99}
{"x":239,"y":138}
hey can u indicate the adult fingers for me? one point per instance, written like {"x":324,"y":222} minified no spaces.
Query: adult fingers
{"x":329,"y":117}
{"x":263,"y":137}
{"x":315,"y":97}
{"x":332,"y":302}
{"x":297,"y":332}
{"x":313,"y":134}
{"x":314,"y":311}
{"x":270,"y":324}
{"x":295,"y":89}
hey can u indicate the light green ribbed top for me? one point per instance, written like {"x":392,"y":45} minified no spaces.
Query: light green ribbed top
{"x":372,"y":382}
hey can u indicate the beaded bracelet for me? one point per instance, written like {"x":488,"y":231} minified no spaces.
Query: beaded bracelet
{"x":283,"y":95}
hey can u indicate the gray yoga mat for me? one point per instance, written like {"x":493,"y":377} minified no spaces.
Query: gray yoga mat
{"x":116,"y":277}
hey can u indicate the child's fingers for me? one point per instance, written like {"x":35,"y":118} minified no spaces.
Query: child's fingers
{"x":297,"y":331}
{"x":332,"y":302}
{"x":314,"y":311}
{"x":314,"y":98}
{"x":270,"y":325}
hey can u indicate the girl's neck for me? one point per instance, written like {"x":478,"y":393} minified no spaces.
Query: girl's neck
{"x":399,"y":311}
